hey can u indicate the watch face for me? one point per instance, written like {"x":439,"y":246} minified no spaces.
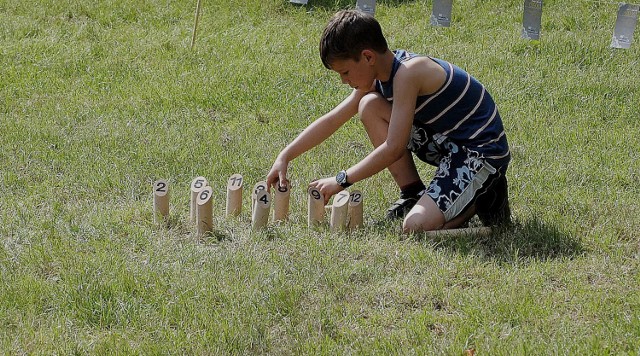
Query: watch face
{"x":341,"y":178}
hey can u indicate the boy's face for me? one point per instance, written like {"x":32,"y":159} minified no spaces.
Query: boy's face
{"x":357,"y":74}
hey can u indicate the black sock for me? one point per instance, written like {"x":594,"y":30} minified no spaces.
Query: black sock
{"x":412,"y":190}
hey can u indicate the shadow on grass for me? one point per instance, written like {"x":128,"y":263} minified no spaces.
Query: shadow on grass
{"x":532,"y":239}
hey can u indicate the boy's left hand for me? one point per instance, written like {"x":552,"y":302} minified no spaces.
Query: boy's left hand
{"x":327,"y":186}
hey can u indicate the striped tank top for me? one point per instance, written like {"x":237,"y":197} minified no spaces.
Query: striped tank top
{"x":461,"y":111}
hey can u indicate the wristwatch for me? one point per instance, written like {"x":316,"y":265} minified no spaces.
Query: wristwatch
{"x":341,"y":178}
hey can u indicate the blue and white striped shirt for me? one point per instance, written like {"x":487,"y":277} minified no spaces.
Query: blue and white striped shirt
{"x":461,"y":110}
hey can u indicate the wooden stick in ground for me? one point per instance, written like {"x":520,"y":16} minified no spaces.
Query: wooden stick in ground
{"x":205,"y":211}
{"x":355,"y":210}
{"x":234,"y":195}
{"x":260,"y":216}
{"x":482,"y":231}
{"x":316,"y":208}
{"x":195,"y":24}
{"x":281,"y":202}
{"x":261,"y":185}
{"x":339,"y":211}
{"x":160,"y":200}
{"x":197,"y":185}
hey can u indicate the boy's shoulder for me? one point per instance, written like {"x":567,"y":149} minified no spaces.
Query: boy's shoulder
{"x":422,"y":71}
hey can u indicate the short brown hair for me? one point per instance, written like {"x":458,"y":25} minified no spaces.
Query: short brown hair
{"x":347,"y":34}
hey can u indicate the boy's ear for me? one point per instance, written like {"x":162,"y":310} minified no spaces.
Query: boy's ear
{"x":369,"y":56}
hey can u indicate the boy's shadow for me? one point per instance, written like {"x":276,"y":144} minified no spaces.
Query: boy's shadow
{"x":532,"y":239}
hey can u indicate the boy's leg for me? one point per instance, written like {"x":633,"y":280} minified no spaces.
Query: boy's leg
{"x":492,"y":204}
{"x":463,"y":185}
{"x":375,"y":113}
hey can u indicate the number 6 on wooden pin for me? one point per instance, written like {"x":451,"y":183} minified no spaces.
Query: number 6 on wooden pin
{"x":196,"y":186}
{"x":234,"y":195}
{"x":204,"y":213}
{"x":160,"y":200}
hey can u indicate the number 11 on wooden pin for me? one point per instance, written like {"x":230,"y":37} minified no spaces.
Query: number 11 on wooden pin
{"x":234,"y":195}
{"x":160,"y":200}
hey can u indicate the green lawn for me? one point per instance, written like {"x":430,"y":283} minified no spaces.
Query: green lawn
{"x":100,"y":99}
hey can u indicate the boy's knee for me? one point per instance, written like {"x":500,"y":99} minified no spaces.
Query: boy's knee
{"x":419,"y":220}
{"x":371,"y":103}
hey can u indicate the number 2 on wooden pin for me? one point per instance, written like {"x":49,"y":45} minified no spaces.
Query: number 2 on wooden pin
{"x":160,"y":187}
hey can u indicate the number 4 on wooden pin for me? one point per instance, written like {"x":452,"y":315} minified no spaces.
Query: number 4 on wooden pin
{"x":260,"y":215}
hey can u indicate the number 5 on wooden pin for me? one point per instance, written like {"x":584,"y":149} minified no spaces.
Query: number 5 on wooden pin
{"x":204,"y":213}
{"x":234,"y":195}
{"x":316,"y":207}
{"x":260,"y":215}
{"x":160,"y":200}
{"x":196,"y":187}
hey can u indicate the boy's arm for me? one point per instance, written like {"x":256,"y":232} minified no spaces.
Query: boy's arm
{"x":408,"y":83}
{"x":314,"y":134}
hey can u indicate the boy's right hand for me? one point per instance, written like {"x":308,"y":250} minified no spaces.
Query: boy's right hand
{"x":278,"y":174}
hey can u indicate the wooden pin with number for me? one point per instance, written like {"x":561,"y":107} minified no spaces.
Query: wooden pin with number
{"x":281,"y":202}
{"x":234,"y":195}
{"x":355,"y":209}
{"x":204,"y":211}
{"x":160,"y":200}
{"x":262,"y":185}
{"x":196,"y":186}
{"x":260,"y":216}
{"x":339,"y":211}
{"x":316,"y":207}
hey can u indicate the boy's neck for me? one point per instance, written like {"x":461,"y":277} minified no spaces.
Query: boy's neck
{"x":384,"y":65}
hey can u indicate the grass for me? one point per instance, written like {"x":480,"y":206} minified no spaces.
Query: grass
{"x":99,"y":100}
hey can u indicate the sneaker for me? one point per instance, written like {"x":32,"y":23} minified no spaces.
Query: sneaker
{"x":401,"y":207}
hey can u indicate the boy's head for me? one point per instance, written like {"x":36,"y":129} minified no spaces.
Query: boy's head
{"x":347,"y":34}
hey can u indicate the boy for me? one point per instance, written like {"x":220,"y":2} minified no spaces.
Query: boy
{"x":409,"y":103}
